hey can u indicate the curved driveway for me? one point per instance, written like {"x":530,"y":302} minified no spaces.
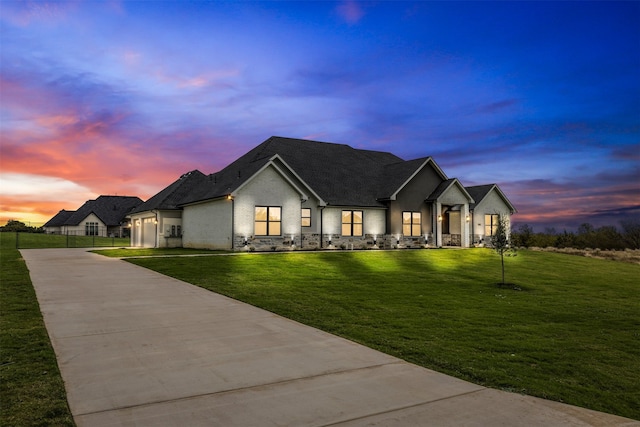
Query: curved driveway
{"x":137,"y":348}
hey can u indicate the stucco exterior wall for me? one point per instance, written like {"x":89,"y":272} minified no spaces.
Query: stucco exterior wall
{"x":208,"y":225}
{"x":170,"y":229}
{"x":79,"y":230}
{"x":373,"y":226}
{"x":491,"y":204}
{"x":268,"y":188}
{"x":412,"y":199}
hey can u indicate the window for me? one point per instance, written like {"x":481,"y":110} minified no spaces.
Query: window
{"x":268,"y":220}
{"x":306,"y":217}
{"x":411,"y":223}
{"x":352,"y":223}
{"x":90,"y":228}
{"x":490,"y":224}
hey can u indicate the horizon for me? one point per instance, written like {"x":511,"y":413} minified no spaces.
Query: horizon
{"x":122,"y":98}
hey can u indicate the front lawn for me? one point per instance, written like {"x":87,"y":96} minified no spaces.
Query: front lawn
{"x":31,"y":388}
{"x":570,"y":333}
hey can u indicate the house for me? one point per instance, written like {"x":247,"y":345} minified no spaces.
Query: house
{"x":104,"y":216}
{"x":299,"y":194}
{"x":56,"y":224}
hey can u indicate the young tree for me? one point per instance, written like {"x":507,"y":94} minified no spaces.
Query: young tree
{"x":500,"y":240}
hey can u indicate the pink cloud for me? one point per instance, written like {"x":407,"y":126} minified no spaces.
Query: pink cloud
{"x":350,"y":11}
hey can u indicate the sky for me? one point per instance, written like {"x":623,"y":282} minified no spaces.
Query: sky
{"x":121,"y":98}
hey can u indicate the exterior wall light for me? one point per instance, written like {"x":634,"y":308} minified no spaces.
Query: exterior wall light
{"x":439,"y":217}
{"x":246,"y":242}
{"x":468,"y":218}
{"x":229,"y":197}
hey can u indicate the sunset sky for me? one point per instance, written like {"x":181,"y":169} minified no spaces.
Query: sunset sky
{"x":116,"y":97}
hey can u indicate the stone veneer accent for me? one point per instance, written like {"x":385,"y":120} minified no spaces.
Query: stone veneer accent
{"x":312,"y":241}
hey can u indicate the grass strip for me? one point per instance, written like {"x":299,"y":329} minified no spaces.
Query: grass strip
{"x":144,"y":252}
{"x":568,"y":331}
{"x":31,"y":388}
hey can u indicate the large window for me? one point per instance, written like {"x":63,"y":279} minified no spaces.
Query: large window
{"x":306,"y":217}
{"x":268,"y":221}
{"x":90,"y":228}
{"x":411,"y":223}
{"x":352,"y":223}
{"x":490,"y":224}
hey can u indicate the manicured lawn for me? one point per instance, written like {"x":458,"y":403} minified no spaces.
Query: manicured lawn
{"x":143,"y":252}
{"x":570,"y":334}
{"x":31,"y":388}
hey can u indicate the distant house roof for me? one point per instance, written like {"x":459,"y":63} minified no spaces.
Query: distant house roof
{"x":479,"y":192}
{"x":59,"y":219}
{"x":339,"y":174}
{"x":170,"y":197}
{"x":111,"y":210}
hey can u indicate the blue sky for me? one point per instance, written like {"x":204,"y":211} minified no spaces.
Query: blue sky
{"x":110,"y":97}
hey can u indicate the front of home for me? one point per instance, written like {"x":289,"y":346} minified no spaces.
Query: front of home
{"x":298,"y":194}
{"x":103,"y":216}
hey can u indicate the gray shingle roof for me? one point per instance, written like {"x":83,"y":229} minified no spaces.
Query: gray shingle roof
{"x":110,"y":209}
{"x":170,"y":197}
{"x":59,"y":219}
{"x":341,"y":175}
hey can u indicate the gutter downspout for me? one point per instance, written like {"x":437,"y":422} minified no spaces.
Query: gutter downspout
{"x":233,"y":222}
{"x":155,"y":240}
{"x":321,"y":233}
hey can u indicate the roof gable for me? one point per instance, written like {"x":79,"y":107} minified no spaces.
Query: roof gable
{"x":479,"y":192}
{"x":445,"y":186}
{"x":398,"y":175}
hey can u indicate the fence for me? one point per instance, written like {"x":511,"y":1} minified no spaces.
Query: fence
{"x":70,"y":240}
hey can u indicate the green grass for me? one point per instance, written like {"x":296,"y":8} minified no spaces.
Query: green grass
{"x":144,"y":252}
{"x":31,"y":388}
{"x":570,"y":334}
{"x":40,"y":240}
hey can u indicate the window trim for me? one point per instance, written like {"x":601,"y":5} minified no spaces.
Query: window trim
{"x":303,"y":217}
{"x":411,"y":224}
{"x":268,"y":222}
{"x":352,"y":223}
{"x":91,"y":228}
{"x":492,"y":224}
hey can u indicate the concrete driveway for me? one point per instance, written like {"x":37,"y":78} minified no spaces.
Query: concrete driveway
{"x":137,"y":348}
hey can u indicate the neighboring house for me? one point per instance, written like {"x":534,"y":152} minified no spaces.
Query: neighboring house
{"x":292,"y":193}
{"x":104,"y":216}
{"x":56,"y":224}
{"x":158,"y":221}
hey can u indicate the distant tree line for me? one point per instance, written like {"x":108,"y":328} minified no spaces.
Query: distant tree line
{"x":13,"y":225}
{"x":587,"y":236}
